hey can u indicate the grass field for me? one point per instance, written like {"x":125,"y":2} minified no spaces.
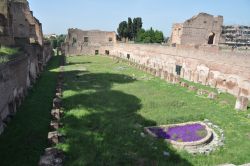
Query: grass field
{"x":25,"y":138}
{"x":107,"y":104}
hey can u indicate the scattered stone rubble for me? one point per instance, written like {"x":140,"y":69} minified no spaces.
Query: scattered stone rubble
{"x":192,"y":88}
{"x":54,"y":156}
{"x":218,"y":134}
{"x":241,"y":103}
{"x":159,"y":71}
{"x":169,"y":77}
{"x":212,"y":95}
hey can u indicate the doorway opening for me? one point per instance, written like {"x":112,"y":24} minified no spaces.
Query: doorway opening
{"x":96,"y":52}
{"x":178,"y":69}
{"x":211,"y":38}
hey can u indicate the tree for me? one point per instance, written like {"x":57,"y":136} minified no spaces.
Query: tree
{"x":123,"y":30}
{"x":54,"y":43}
{"x":130,"y":29}
{"x":140,"y":36}
{"x":137,"y":26}
{"x":60,"y":40}
{"x":149,"y":36}
{"x":159,"y":37}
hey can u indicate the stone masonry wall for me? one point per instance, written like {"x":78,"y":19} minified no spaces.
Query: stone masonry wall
{"x":228,"y":72}
{"x":87,"y":42}
{"x":25,"y":25}
{"x":17,"y":76}
{"x":18,"y":26}
{"x":6,"y":35}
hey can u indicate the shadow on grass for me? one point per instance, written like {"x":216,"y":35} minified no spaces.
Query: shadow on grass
{"x":102,"y":125}
{"x":82,"y":63}
{"x":25,"y":137}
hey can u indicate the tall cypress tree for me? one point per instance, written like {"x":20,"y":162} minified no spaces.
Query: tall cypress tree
{"x":123,"y":30}
{"x":130,"y":29}
{"x":137,"y":26}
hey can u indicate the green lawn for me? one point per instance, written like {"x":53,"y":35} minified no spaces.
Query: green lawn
{"x":107,"y":104}
{"x":7,"y":53}
{"x":25,"y":138}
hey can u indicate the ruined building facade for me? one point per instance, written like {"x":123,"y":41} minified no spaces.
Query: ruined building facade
{"x":17,"y":23}
{"x":88,"y":42}
{"x":19,"y":28}
{"x":6,"y":28}
{"x":202,"y":29}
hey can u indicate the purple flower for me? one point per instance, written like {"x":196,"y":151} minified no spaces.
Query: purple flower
{"x":185,"y":133}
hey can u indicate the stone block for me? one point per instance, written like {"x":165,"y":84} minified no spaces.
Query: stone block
{"x":58,"y":95}
{"x":52,"y":157}
{"x":162,"y":74}
{"x":55,"y":125}
{"x":56,"y":114}
{"x":53,"y":137}
{"x":241,"y":103}
{"x":158,"y":73}
{"x":57,"y":103}
{"x":165,"y":75}
{"x":60,"y":84}
{"x":184,"y":84}
{"x":154,"y":72}
{"x":192,"y":88}
{"x":212,"y":95}
{"x":201,"y":92}
{"x":58,"y":90}
{"x":170,"y":77}
{"x":176,"y":79}
{"x":151,"y":71}
{"x":213,"y":83}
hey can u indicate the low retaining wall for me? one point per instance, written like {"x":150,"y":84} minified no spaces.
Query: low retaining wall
{"x":17,"y":76}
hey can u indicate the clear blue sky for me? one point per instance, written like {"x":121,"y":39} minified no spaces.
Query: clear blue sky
{"x":59,"y":15}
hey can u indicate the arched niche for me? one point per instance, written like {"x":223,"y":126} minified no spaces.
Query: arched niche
{"x":211,"y":38}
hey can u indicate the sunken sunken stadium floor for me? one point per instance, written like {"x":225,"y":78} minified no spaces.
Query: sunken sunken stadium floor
{"x":108,"y":103}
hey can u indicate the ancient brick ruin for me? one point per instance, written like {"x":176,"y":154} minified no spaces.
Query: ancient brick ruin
{"x":88,"y":42}
{"x":192,"y":57}
{"x":19,"y":28}
{"x":203,"y":29}
{"x":17,"y":24}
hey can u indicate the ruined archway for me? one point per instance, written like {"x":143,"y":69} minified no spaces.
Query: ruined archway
{"x":211,"y":38}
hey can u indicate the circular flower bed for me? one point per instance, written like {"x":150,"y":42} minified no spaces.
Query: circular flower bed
{"x":183,"y":133}
{"x":185,"y":136}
